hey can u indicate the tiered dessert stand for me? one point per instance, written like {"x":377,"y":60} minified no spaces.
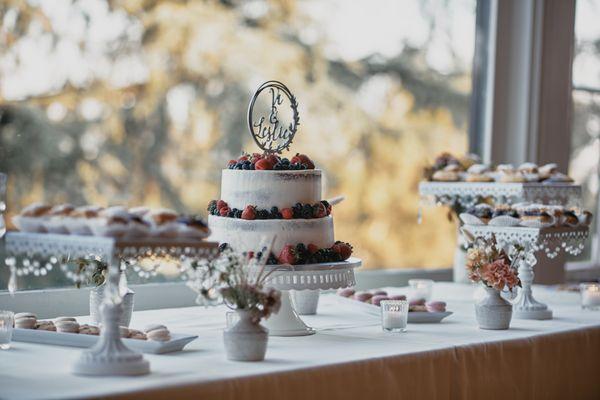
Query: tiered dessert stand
{"x":467,"y":194}
{"x":463,"y":195}
{"x":33,"y":252}
{"x":305,"y":277}
{"x":549,"y":241}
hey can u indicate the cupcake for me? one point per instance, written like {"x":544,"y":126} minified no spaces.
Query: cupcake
{"x":570,"y":218}
{"x":447,"y":174}
{"x":111,"y":222}
{"x":504,"y":210}
{"x":192,"y":226}
{"x":534,"y":216}
{"x":558,"y":177}
{"x":163,"y":222}
{"x":479,"y":173}
{"x":529,"y":171}
{"x":138,"y":226}
{"x":482,"y":211}
{"x":32,"y":218}
{"x":57,"y":218}
{"x":545,"y":171}
{"x":77,"y":222}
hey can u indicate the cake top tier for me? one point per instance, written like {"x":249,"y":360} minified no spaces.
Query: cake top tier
{"x":267,"y":189}
{"x":262,"y":162}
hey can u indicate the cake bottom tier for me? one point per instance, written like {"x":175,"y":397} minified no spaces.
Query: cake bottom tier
{"x":251,"y":235}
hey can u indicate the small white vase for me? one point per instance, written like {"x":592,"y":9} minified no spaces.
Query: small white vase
{"x":492,"y":311}
{"x":246,"y":340}
{"x":305,"y":301}
{"x":97,"y":298}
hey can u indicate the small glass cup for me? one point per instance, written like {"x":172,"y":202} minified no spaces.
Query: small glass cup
{"x":394,"y":315}
{"x":590,"y":295}
{"x":7,"y":320}
{"x":421,"y":289}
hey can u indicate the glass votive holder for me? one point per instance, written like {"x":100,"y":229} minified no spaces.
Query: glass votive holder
{"x":7,"y":320}
{"x":590,"y":295}
{"x":394,"y":315}
{"x":421,"y":289}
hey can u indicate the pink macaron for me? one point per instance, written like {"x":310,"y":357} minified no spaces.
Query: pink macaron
{"x":376,"y":300}
{"x":362,"y":296}
{"x":416,"y":302}
{"x":347,"y":292}
{"x":380,"y":293}
{"x":436,"y":306}
{"x":398,"y":297}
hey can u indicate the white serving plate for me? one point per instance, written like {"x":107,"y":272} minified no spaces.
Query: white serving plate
{"x":414,"y":317}
{"x":177,"y":343}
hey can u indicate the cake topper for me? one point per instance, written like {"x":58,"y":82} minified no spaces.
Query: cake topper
{"x":269,"y":132}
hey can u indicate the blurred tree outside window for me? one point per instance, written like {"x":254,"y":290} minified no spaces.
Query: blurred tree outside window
{"x":144,"y":102}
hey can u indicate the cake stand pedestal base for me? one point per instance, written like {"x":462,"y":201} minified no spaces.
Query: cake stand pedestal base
{"x":323,"y":276}
{"x":109,"y":356}
{"x":534,"y":314}
{"x":525,"y":305}
{"x":287,"y":322}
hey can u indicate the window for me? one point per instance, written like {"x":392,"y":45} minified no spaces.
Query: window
{"x":123,"y":104}
{"x":585,"y":144}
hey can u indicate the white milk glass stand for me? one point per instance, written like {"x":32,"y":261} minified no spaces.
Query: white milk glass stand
{"x":549,"y":241}
{"x":467,"y":194}
{"x":305,"y":277}
{"x":109,"y":356}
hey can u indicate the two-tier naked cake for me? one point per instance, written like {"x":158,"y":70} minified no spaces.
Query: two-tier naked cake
{"x":266,"y":196}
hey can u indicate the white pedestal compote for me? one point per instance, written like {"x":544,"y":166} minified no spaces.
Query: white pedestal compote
{"x":323,"y":276}
{"x":36,"y":252}
{"x":549,"y":241}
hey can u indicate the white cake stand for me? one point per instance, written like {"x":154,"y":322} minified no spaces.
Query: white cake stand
{"x":305,"y":277}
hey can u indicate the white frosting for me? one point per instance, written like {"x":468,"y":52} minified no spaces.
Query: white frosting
{"x":252,"y":235}
{"x":265,"y":189}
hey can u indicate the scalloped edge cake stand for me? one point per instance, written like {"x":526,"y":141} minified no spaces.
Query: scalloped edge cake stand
{"x":324,"y":276}
{"x":109,"y":356}
{"x":549,"y":240}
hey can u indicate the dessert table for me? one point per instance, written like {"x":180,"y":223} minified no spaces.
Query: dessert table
{"x":349,"y":357}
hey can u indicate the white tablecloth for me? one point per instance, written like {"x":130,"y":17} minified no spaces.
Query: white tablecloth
{"x":349,"y":357}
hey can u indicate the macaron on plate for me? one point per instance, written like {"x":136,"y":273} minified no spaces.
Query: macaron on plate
{"x":177,"y":343}
{"x":414,"y":317}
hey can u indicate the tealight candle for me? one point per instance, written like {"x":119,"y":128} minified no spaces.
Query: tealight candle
{"x":394,"y":315}
{"x":421,"y":288}
{"x":590,"y":295}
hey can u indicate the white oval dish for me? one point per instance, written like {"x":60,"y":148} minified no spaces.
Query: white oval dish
{"x":470,"y":219}
{"x":29,"y":224}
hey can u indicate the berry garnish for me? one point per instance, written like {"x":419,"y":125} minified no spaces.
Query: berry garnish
{"x":263,"y":164}
{"x":312,"y":248}
{"x":221,"y":204}
{"x":249,"y":213}
{"x":288,"y":255}
{"x":319,"y":210}
{"x":224,"y":212}
{"x":287,"y":213}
